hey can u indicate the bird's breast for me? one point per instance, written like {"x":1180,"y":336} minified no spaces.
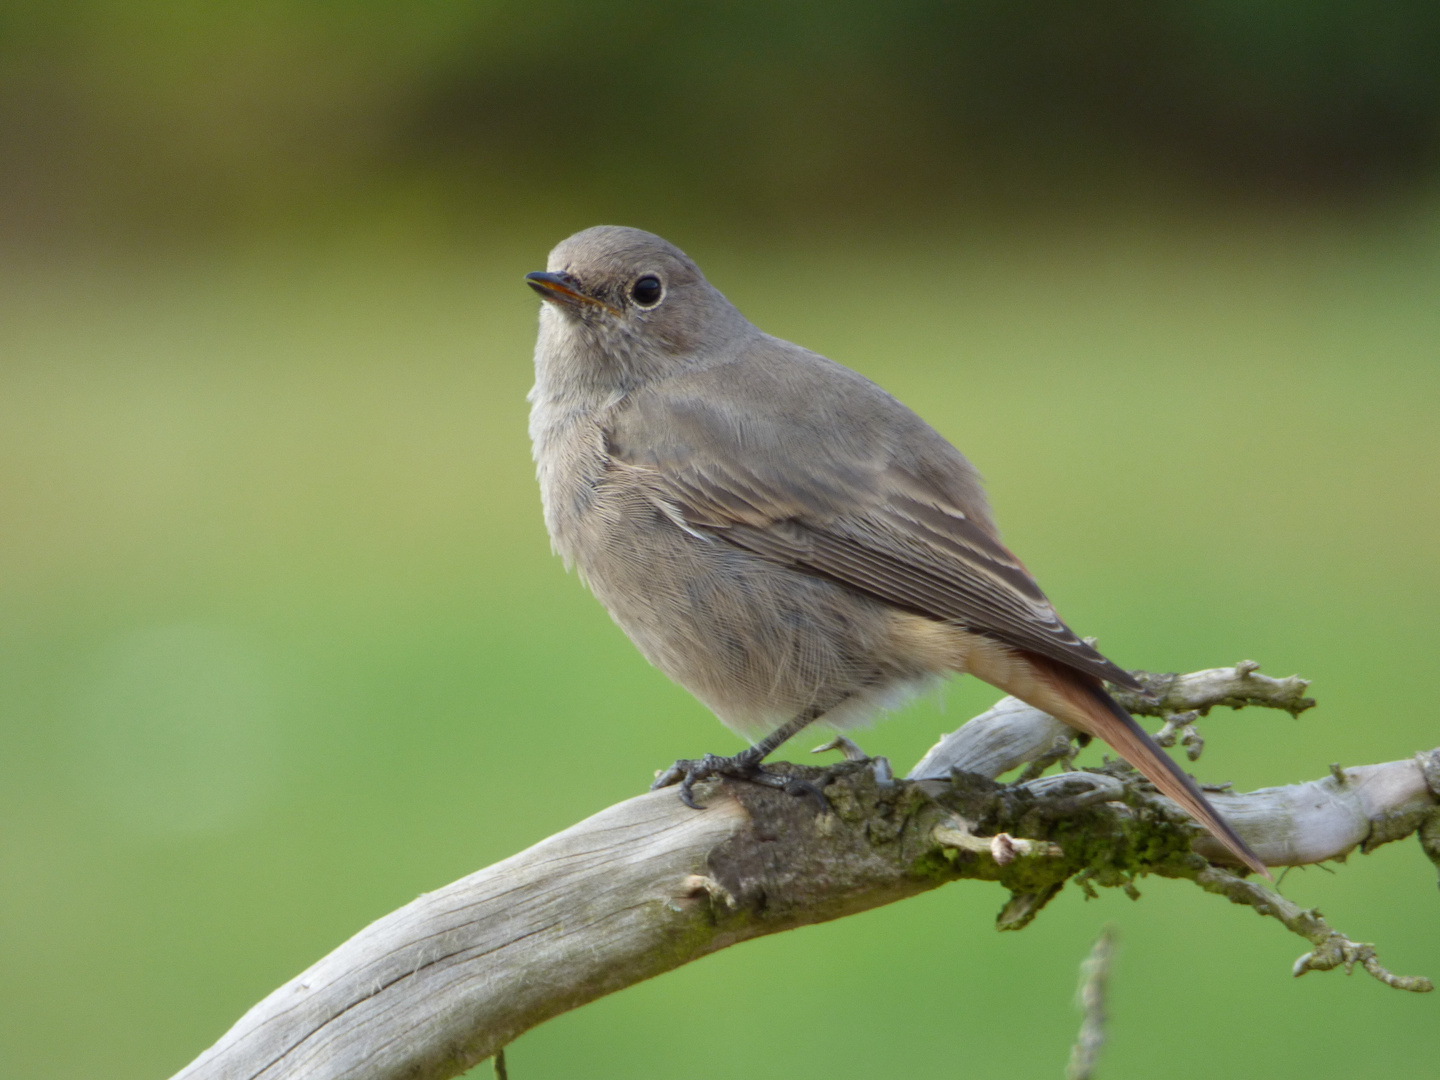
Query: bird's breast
{"x":570,"y":463}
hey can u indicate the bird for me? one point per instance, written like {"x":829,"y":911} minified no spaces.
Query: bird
{"x":777,"y":533}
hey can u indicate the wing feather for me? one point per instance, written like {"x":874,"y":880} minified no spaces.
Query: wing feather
{"x":889,"y":520}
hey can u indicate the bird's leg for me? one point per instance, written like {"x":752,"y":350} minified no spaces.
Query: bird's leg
{"x":744,"y":766}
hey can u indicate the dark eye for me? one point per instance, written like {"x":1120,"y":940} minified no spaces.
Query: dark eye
{"x":647,"y":291}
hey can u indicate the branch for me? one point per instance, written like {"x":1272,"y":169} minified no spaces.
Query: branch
{"x":1331,"y":948}
{"x":1180,"y":700}
{"x":1201,"y":691}
{"x":647,"y":885}
{"x":1094,"y":976}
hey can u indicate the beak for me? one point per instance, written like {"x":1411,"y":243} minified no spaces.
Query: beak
{"x":562,"y":289}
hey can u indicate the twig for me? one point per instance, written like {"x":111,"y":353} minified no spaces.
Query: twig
{"x":501,"y":1073}
{"x":1002,"y":847}
{"x":1090,"y":996}
{"x":1332,"y":949}
{"x":1201,"y":691}
{"x":1181,"y":700}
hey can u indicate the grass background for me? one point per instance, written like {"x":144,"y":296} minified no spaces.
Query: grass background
{"x":284,"y":645}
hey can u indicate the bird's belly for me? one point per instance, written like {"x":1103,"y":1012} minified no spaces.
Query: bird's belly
{"x":756,"y":641}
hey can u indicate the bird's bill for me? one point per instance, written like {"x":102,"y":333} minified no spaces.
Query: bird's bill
{"x":560,"y":289}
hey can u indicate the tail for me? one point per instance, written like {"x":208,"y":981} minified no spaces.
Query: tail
{"x":1120,"y":731}
{"x":1076,"y":700}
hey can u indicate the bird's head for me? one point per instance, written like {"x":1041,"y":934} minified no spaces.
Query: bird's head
{"x":626,"y":304}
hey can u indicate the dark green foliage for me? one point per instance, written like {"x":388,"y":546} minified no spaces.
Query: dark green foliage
{"x":185,"y":112}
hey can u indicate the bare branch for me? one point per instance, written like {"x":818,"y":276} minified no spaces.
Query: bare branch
{"x":453,"y":977}
{"x":1300,"y":824}
{"x":1181,"y":700}
{"x":1004,"y":737}
{"x":636,"y":890}
{"x":1332,"y":949}
{"x":1201,"y":691}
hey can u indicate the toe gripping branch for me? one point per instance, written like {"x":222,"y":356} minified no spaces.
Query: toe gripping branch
{"x":744,"y":766}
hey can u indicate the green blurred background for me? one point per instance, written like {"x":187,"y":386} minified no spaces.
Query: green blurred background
{"x":282,"y":641}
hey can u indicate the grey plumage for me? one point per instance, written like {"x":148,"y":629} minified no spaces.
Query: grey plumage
{"x":775,"y":532}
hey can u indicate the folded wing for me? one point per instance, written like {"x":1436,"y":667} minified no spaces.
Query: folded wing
{"x":898,"y":515}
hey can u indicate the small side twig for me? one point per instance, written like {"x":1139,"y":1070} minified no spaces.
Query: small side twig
{"x":1002,"y":847}
{"x":1169,"y":694}
{"x":1181,"y":727}
{"x":1332,"y":948}
{"x":501,"y":1073}
{"x":1090,"y":996}
{"x":1181,"y":700}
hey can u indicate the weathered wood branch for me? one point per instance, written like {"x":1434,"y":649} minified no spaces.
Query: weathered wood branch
{"x":648,"y":885}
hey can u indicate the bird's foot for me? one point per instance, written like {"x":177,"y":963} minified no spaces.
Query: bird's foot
{"x":743,"y":766}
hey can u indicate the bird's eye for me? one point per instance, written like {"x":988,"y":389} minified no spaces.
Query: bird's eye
{"x":647,"y":291}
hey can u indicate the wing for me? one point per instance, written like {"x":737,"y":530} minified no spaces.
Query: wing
{"x":846,"y":483}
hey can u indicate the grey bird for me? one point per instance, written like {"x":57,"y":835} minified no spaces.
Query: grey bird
{"x":775,"y":532}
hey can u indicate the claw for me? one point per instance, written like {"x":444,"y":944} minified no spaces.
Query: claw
{"x":798,"y":787}
{"x":743,"y":766}
{"x":669,"y":776}
{"x":687,"y":795}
